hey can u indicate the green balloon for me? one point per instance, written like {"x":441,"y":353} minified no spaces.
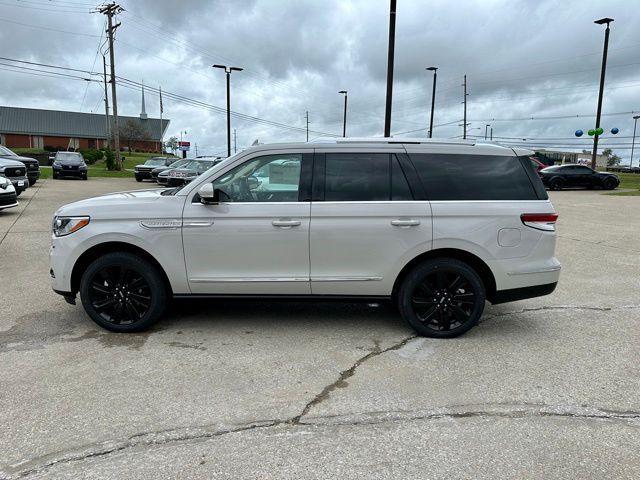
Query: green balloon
{"x":599,"y":131}
{"x":591,"y":132}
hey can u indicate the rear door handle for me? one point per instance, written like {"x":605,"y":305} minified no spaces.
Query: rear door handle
{"x":286,"y":223}
{"x":405,"y":223}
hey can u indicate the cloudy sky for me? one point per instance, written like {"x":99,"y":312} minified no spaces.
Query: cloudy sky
{"x":522,"y":59}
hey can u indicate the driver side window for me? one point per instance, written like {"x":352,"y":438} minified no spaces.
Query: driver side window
{"x":269,"y":178}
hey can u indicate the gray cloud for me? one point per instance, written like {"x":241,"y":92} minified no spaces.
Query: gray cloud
{"x":522,"y":58}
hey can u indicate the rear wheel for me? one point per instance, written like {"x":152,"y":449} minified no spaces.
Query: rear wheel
{"x":442,"y":298}
{"x":123,"y":292}
{"x":556,"y":184}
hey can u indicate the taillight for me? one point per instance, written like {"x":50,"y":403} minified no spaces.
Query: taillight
{"x":540,"y":221}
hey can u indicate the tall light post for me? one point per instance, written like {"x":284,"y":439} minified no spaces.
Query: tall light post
{"x":602,"y":21}
{"x":486,"y":130}
{"x":228,"y":71}
{"x":344,"y":117}
{"x":433,"y":98}
{"x":633,"y":142}
{"x":390,"y":57}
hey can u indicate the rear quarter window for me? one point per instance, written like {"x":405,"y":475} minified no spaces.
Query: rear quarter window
{"x":476,"y":177}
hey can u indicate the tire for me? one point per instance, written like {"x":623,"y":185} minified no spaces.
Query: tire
{"x":138,"y":179}
{"x":84,"y":176}
{"x":556,"y":184}
{"x":123,"y":292}
{"x":19,"y":192}
{"x":610,"y":184}
{"x":445,"y":280}
{"x":32,"y":182}
{"x":55,"y":176}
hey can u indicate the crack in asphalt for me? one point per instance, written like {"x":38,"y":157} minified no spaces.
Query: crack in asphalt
{"x":490,"y":410}
{"x":599,"y":243}
{"x":491,"y":316}
{"x":350,"y":372}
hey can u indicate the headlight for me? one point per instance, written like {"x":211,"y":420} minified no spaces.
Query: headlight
{"x":4,"y":183}
{"x":67,"y":225}
{"x":56,"y":163}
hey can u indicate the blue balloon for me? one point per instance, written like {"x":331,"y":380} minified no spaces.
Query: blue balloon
{"x":614,"y":130}
{"x":579,"y":133}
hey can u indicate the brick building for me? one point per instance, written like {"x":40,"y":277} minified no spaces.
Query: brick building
{"x":35,"y":128}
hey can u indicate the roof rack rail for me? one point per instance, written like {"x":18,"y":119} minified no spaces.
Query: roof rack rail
{"x":394,"y":140}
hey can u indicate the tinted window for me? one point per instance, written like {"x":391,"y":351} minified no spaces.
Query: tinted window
{"x":584,"y":170}
{"x":364,"y":177}
{"x":473,"y":177}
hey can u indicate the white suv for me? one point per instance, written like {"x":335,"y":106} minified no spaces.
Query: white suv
{"x":438,"y":227}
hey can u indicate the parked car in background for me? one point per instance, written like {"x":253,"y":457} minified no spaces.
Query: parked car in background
{"x":436,"y":228}
{"x":189,"y":171}
{"x":8,"y":197}
{"x":558,"y":177}
{"x":69,"y":164}
{"x":16,"y":172}
{"x":143,"y":171}
{"x":158,"y":170}
{"x":33,"y":167}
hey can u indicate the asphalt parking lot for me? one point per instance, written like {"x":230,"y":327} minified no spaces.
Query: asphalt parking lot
{"x":544,"y":388}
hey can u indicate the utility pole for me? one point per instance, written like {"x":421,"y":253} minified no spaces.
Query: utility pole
{"x":433,"y":98}
{"x":602,"y":21}
{"x":633,"y":142}
{"x":110,"y":10}
{"x":235,"y":143}
{"x":106,"y":101}
{"x":464,"y":120}
{"x":491,"y":134}
{"x":228,"y":71}
{"x":390,"y":56}
{"x":486,"y":127}
{"x":344,"y":117}
{"x":307,"y":115}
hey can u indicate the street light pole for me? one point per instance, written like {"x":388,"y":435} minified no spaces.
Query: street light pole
{"x":390,"y":57}
{"x":344,"y":117}
{"x":228,"y":71}
{"x":486,"y":130}
{"x":633,"y":142}
{"x":433,"y":98}
{"x":602,"y":21}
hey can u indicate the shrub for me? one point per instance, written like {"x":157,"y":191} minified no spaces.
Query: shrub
{"x":109,"y":159}
{"x":92,"y":155}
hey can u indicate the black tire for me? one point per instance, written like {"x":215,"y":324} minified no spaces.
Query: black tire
{"x":123,"y":292}
{"x":84,"y":176}
{"x":55,"y":176}
{"x":610,"y":184}
{"x":441,"y":298}
{"x":32,"y":182}
{"x":556,"y":184}
{"x":19,"y":192}
{"x":138,"y":179}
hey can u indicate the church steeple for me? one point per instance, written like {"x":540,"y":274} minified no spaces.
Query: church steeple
{"x":143,"y":113}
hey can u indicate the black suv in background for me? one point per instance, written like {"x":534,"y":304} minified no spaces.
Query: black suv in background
{"x":69,"y":164}
{"x":33,"y":167}
{"x":558,"y":177}
{"x":143,"y":171}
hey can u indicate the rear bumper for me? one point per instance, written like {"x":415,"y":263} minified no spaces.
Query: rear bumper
{"x":513,"y":294}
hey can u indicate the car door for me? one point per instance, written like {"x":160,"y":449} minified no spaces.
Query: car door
{"x":256,"y":240}
{"x":365,"y":223}
{"x":584,"y":176}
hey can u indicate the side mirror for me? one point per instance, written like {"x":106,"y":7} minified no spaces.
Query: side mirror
{"x":210,"y":196}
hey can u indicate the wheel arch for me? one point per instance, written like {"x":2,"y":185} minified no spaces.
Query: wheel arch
{"x":111,"y":247}
{"x":475,"y":262}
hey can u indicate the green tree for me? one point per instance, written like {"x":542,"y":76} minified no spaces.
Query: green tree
{"x":132,"y":132}
{"x":612,"y":158}
{"x":172,"y":144}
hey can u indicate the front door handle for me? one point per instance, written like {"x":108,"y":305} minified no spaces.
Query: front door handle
{"x":286,"y":223}
{"x":405,"y":223}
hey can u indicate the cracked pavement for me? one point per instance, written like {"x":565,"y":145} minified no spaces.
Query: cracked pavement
{"x":544,"y":388}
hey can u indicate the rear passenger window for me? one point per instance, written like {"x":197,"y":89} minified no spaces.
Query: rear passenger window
{"x":473,"y":177}
{"x":364,"y":177}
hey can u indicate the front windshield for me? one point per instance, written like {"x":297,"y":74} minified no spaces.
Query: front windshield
{"x":7,"y":152}
{"x":70,"y":157}
{"x":179,"y":163}
{"x":155,"y":162}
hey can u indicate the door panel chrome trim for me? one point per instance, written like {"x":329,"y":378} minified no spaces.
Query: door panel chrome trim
{"x":247,"y":279}
{"x":346,"y":279}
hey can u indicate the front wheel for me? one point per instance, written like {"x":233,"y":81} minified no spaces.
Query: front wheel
{"x":123,"y":292}
{"x":610,"y":184}
{"x":556,"y":184}
{"x":442,"y":298}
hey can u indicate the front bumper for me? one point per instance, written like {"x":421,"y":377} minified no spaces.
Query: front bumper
{"x":178,"y":181}
{"x":143,"y":174}
{"x":8,"y":200}
{"x":20,"y":183}
{"x":68,"y":172}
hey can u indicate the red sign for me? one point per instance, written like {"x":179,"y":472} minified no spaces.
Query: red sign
{"x":184,"y":144}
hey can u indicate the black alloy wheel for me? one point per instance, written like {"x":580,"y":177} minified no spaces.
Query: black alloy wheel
{"x":556,"y":184}
{"x":610,"y":184}
{"x":123,"y":292}
{"x":442,"y":298}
